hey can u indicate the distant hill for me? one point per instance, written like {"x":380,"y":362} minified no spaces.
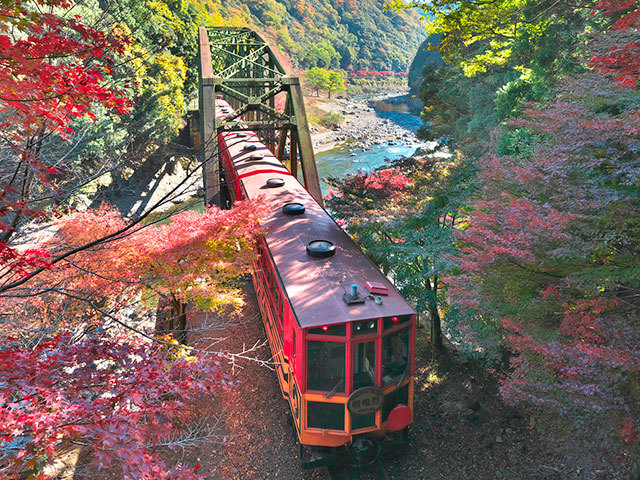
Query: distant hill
{"x":425,"y":56}
{"x":347,"y":34}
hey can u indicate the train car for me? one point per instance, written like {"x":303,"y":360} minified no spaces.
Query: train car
{"x":342,"y":337}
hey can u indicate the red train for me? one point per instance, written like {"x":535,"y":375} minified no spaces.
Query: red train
{"x":342,"y":337}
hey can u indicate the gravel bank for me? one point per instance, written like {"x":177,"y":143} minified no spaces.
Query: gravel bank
{"x":361,"y":128}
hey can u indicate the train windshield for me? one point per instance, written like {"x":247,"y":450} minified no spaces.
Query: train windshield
{"x":395,"y":356}
{"x":364,"y":364}
{"x":326,"y":366}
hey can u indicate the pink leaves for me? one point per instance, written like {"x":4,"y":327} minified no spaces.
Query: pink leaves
{"x":548,"y":250}
{"x":386,"y":182}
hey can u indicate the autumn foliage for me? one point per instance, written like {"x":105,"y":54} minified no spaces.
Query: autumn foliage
{"x":54,"y":68}
{"x":548,"y":253}
{"x":621,"y":60}
{"x":82,"y":366}
{"x":120,"y":400}
{"x":116,"y":388}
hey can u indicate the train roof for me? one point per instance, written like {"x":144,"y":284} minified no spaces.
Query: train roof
{"x":315,"y":286}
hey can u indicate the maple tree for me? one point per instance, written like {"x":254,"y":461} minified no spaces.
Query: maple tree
{"x":119,"y":398}
{"x":53,"y":69}
{"x":119,"y":390}
{"x":81,"y":364}
{"x":547,"y":262}
{"x":623,"y":59}
{"x":196,"y":258}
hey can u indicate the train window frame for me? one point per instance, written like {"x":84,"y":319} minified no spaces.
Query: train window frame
{"x":320,"y":404}
{"x":313,"y":331}
{"x":388,"y":325}
{"x":338,"y":387}
{"x":294,"y":341}
{"x":376,"y":362}
{"x":408,"y":330}
{"x":367,"y":333}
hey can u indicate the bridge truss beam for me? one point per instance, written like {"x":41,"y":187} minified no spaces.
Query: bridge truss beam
{"x":239,"y":65}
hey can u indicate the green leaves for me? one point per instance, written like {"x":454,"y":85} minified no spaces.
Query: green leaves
{"x":322,"y":79}
{"x":404,"y":216}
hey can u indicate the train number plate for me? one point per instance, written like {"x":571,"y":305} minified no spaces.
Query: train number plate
{"x":365,"y":400}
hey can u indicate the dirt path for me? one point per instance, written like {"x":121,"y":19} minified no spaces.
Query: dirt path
{"x":260,"y":443}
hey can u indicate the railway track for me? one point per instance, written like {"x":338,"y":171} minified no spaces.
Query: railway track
{"x":376,"y":471}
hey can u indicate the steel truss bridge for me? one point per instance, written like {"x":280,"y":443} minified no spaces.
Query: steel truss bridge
{"x":238,"y":64}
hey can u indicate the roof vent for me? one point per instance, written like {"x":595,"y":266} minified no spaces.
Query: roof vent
{"x":250,"y":148}
{"x":241,"y":135}
{"x":225,"y":110}
{"x":321,"y":249}
{"x":376,"y":288}
{"x":293,"y":208}
{"x":353,"y":297}
{"x":275,"y":182}
{"x":256,"y":156}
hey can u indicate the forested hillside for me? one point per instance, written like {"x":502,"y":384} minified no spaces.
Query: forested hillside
{"x":428,"y":57}
{"x":346,"y":34}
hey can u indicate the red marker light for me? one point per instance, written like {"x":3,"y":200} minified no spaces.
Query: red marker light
{"x":325,"y":328}
{"x":395,"y":319}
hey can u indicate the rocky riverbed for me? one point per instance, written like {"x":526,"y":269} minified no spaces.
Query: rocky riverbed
{"x":363,"y":126}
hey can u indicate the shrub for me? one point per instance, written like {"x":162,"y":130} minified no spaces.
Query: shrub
{"x":331,"y":119}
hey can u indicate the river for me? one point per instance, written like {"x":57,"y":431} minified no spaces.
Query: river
{"x":343,"y":161}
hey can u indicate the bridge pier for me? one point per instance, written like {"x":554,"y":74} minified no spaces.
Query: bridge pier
{"x":208,"y":132}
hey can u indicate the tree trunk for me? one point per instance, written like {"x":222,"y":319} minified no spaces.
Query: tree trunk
{"x":436,"y":323}
{"x":436,"y":331}
{"x":179,"y":313}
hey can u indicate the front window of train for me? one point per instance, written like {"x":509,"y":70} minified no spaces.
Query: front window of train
{"x":364,"y":364}
{"x":395,"y":356}
{"x":326,"y":362}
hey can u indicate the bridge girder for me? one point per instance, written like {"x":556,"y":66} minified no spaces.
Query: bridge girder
{"x":238,"y":64}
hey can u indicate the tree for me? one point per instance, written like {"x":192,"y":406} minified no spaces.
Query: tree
{"x":623,"y":58}
{"x":118,"y":397}
{"x":53,"y":69}
{"x":111,"y":386}
{"x":321,"y":79}
{"x":106,"y":295}
{"x":335,"y":83}
{"x":317,"y":78}
{"x":410,"y":237}
{"x":57,"y":145}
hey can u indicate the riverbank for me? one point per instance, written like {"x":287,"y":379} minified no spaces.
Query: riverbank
{"x":363,"y":125}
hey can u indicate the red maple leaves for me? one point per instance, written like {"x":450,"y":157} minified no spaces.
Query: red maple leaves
{"x":117,"y":396}
{"x":622,"y":60}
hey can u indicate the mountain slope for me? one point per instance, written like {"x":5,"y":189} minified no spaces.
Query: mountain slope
{"x":348,"y":34}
